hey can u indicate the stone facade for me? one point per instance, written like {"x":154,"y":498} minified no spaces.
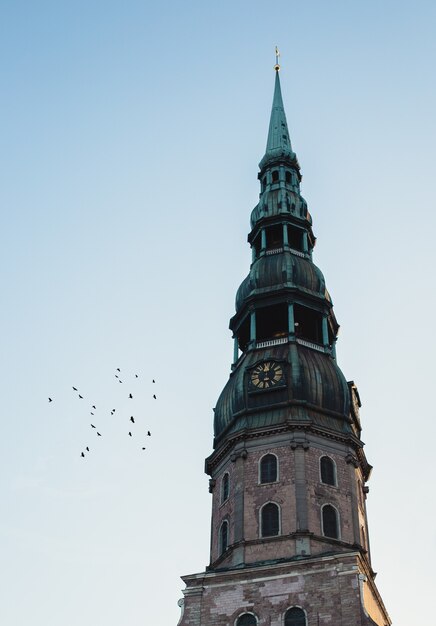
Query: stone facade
{"x":331,"y":591}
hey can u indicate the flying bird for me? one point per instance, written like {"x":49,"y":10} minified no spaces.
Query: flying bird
{"x":98,"y":434}
{"x":87,"y":448}
{"x":148,"y":433}
{"x":92,"y":413}
{"x":132,"y":420}
{"x":154,"y":397}
{"x":143,"y":448}
{"x":50,"y":400}
{"x":118,"y":369}
{"x":154,"y":380}
{"x":81,"y":397}
{"x":136,"y":375}
{"x":75,"y":388}
{"x":93,"y":406}
{"x":130,"y":434}
{"x":82,"y":455}
{"x":120,"y":381}
{"x":92,"y":425}
{"x":130,"y":396}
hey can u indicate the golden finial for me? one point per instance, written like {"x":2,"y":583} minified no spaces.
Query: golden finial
{"x":277,"y":66}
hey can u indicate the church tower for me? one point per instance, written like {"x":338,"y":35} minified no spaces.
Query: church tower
{"x":289,"y":535}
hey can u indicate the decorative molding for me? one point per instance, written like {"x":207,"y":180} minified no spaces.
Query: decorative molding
{"x":239,"y":454}
{"x":351,"y":459}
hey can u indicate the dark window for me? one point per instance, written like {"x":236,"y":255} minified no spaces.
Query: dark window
{"x":224,"y":537}
{"x":247,"y":619}
{"x":295,"y":237}
{"x":257,"y":244}
{"x":308,"y":323}
{"x":328,"y":471}
{"x":274,"y":236}
{"x":264,"y":183}
{"x":268,"y":468}
{"x":271,"y":322}
{"x":225,"y":488}
{"x":275,"y":176}
{"x":243,"y":334}
{"x":295,"y":617}
{"x":270,"y":520}
{"x":330,"y":524}
{"x":289,"y":178}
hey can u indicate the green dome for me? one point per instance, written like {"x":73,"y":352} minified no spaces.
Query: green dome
{"x":315,"y":391}
{"x":279,"y":271}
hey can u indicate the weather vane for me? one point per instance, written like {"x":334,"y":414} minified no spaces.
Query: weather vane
{"x":277,"y":66}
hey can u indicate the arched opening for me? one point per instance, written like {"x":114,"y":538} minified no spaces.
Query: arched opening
{"x":224,"y":537}
{"x":328,"y":471}
{"x":268,"y":469}
{"x":295,"y":617}
{"x":270,"y":520}
{"x":330,"y":522}
{"x":247,"y":619}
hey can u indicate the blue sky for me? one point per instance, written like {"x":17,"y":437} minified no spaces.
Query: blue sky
{"x":131,"y":134}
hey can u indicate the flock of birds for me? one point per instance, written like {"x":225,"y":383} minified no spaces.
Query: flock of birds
{"x":93,"y":410}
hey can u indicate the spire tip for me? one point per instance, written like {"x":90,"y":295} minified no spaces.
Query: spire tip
{"x":277,"y":66}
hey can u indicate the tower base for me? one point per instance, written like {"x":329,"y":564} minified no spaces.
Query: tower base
{"x":333,"y":590}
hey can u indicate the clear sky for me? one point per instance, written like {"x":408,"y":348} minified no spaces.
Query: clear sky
{"x":130,"y":137}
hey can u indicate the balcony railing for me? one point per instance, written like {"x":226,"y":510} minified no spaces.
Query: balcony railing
{"x":274,"y":251}
{"x":310,"y":344}
{"x":271,"y":342}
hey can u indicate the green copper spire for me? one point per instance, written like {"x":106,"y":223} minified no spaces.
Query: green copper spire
{"x":278,"y":135}
{"x":278,"y":144}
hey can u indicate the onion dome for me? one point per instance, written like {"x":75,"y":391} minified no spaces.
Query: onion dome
{"x":273,"y":273}
{"x":314,"y":392}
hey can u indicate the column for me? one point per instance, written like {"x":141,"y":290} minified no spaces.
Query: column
{"x":253,"y":327}
{"x":285,"y":236}
{"x":325,"y":331}
{"x":300,"y":487}
{"x":235,"y":349}
{"x":263,"y":240}
{"x":291,"y":321}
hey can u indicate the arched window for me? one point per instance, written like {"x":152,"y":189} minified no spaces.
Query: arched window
{"x":330,"y":522}
{"x":295,"y":617}
{"x":225,"y":485}
{"x":288,"y":178}
{"x":328,"y":470}
{"x":247,"y":619}
{"x":270,"y":520}
{"x":268,"y":469}
{"x":224,"y":537}
{"x":275,"y":176}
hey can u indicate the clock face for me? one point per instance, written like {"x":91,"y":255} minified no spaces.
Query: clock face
{"x":267,"y":375}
